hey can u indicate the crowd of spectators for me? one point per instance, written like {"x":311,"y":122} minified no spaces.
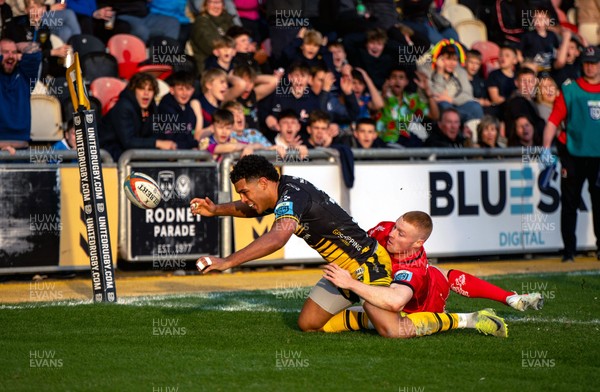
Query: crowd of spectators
{"x":298,"y":75}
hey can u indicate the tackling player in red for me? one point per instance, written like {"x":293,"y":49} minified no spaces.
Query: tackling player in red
{"x":423,"y":287}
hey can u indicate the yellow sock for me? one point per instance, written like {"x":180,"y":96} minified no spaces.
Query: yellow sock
{"x":427,"y":323}
{"x":347,"y":320}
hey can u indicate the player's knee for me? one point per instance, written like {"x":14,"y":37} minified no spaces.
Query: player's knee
{"x":402,"y":330}
{"x":307,"y":326}
{"x":390,"y":333}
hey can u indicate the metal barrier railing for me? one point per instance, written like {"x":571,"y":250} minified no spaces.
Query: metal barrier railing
{"x":434,"y":153}
{"x":46,"y":156}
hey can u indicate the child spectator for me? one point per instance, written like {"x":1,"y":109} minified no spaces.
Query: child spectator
{"x":318,"y":130}
{"x":242,"y":133}
{"x":365,"y":135}
{"x":288,"y":137}
{"x":221,"y":142}
{"x":370,"y":55}
{"x":68,"y":141}
{"x":212,"y":22}
{"x":522,"y":103}
{"x":257,"y":88}
{"x":245,"y":49}
{"x":342,"y":106}
{"x":540,"y":43}
{"x":308,"y":46}
{"x":567,"y":64}
{"x":222,"y":54}
{"x":339,"y":57}
{"x":401,"y":119}
{"x":293,"y":92}
{"x":176,"y":118}
{"x":473,"y":68}
{"x":215,"y":91}
{"x":368,"y":97}
{"x":451,"y":86}
{"x":129,"y":123}
{"x":501,"y":82}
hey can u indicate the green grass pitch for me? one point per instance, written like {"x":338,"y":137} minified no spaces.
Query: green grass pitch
{"x":248,"y":341}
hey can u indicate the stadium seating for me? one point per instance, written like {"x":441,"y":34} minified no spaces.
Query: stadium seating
{"x":168,"y":51}
{"x":39,"y":88}
{"x":472,"y":125}
{"x":107,"y":89}
{"x":449,"y":3}
{"x":489,"y":53}
{"x":46,"y":118}
{"x":56,"y":41}
{"x":97,"y":64}
{"x":591,"y":32}
{"x":163,"y":89}
{"x":84,"y":44}
{"x":488,"y":49}
{"x":60,"y":89}
{"x":572,"y":16}
{"x":130,"y":51}
{"x":457,"y":13}
{"x":158,"y":47}
{"x":471,"y":31}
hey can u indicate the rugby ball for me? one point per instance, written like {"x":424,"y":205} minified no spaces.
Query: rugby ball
{"x":142,"y":191}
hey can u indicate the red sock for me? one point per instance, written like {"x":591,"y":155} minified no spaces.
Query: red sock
{"x":470,"y":286}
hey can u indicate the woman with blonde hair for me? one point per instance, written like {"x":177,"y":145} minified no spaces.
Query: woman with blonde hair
{"x":545,"y":95}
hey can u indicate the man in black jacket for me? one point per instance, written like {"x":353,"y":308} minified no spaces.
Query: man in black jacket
{"x":447,"y":133}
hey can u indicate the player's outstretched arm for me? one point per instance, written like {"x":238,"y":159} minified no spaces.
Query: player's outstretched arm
{"x":266,"y":244}
{"x":392,"y":298}
{"x":206,"y":207}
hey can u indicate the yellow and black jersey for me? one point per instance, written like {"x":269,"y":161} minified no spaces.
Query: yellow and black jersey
{"x":327,"y":228}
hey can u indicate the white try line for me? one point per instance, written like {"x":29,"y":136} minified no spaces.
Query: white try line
{"x":247,"y":302}
{"x":230,"y":301}
{"x":528,"y":275}
{"x":544,"y":320}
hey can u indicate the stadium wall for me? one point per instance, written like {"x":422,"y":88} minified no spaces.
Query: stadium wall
{"x":479,"y":207}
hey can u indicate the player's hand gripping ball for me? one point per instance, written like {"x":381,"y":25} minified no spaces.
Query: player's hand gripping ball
{"x":142,"y":190}
{"x":203,"y":262}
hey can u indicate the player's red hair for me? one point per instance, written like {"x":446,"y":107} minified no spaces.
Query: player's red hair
{"x":421,"y":221}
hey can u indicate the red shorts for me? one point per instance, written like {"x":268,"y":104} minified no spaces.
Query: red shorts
{"x":433,"y":297}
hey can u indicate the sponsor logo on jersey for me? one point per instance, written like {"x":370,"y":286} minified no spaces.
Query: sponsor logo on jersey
{"x":403,"y":275}
{"x":284,"y":208}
